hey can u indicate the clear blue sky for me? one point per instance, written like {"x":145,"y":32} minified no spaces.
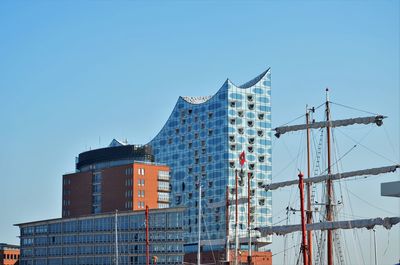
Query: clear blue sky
{"x":74,"y":75}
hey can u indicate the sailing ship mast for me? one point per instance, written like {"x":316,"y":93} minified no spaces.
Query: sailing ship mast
{"x":329,"y":225}
{"x":329,"y":188}
{"x":309,"y":210}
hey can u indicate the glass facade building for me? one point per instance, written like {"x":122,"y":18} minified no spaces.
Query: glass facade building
{"x":91,"y":239}
{"x":201,"y":142}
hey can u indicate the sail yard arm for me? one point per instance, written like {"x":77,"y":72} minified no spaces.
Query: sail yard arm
{"x":378,"y":120}
{"x":364,"y":172}
{"x":386,"y":222}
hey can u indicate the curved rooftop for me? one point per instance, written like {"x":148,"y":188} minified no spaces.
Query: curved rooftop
{"x":197,"y":100}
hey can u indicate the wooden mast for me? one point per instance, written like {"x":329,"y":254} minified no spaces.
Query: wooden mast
{"x":329,"y":189}
{"x":304,"y":248}
{"x":309,"y":210}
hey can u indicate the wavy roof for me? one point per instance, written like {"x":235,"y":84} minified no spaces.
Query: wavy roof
{"x":203,"y":99}
{"x":197,"y":100}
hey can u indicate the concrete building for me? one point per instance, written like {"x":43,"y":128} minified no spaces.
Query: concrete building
{"x":201,"y":142}
{"x":91,"y":240}
{"x":9,"y":254}
{"x":119,"y":177}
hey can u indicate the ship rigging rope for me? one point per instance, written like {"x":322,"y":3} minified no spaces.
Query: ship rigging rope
{"x":303,"y":115}
{"x":370,"y":204}
{"x":208,"y":235}
{"x":338,"y":104}
{"x":369,"y":149}
{"x":339,"y":166}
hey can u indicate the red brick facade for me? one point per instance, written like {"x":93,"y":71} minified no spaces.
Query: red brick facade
{"x":127,"y":187}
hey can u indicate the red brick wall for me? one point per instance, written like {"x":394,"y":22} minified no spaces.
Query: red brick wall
{"x":114,"y":188}
{"x":77,"y":189}
{"x":9,"y":257}
{"x":150,"y":187}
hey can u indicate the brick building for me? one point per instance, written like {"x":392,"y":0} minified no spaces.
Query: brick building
{"x":9,"y":254}
{"x":119,"y":177}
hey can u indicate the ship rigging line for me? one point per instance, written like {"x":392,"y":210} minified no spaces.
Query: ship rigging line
{"x":338,"y":104}
{"x":370,"y":204}
{"x":359,"y":143}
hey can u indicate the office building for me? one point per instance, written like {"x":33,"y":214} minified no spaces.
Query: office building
{"x":118,"y":177}
{"x":201,"y":143}
{"x":9,"y":254}
{"x":91,"y":240}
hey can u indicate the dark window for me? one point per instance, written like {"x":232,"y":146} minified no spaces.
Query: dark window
{"x":251,"y":106}
{"x":260,"y":116}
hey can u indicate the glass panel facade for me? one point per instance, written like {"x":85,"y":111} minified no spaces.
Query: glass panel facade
{"x":91,"y":240}
{"x":201,"y":142}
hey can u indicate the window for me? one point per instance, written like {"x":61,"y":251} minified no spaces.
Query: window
{"x":250,"y":149}
{"x":203,"y":126}
{"x":169,"y":140}
{"x":196,"y":160}
{"x":196,"y":136}
{"x":251,"y":140}
{"x":251,"y":106}
{"x":190,"y":170}
{"x":260,"y":133}
{"x":190,"y":144}
{"x":209,"y":158}
{"x":231,"y":138}
{"x":261,"y":159}
{"x":232,"y":104}
{"x":210,"y":115}
{"x":261,"y":116}
{"x":232,"y":121}
{"x":203,"y":143}
{"x":189,"y":128}
{"x":240,"y":130}
{"x":240,"y":113}
{"x":189,"y":111}
{"x":210,"y":132}
{"x":177,"y":130}
{"x":141,"y":171}
{"x":232,"y":147}
{"x":250,"y":123}
{"x":232,"y":164}
{"x":250,"y":98}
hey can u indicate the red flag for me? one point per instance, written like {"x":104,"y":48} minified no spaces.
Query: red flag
{"x":242,"y":158}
